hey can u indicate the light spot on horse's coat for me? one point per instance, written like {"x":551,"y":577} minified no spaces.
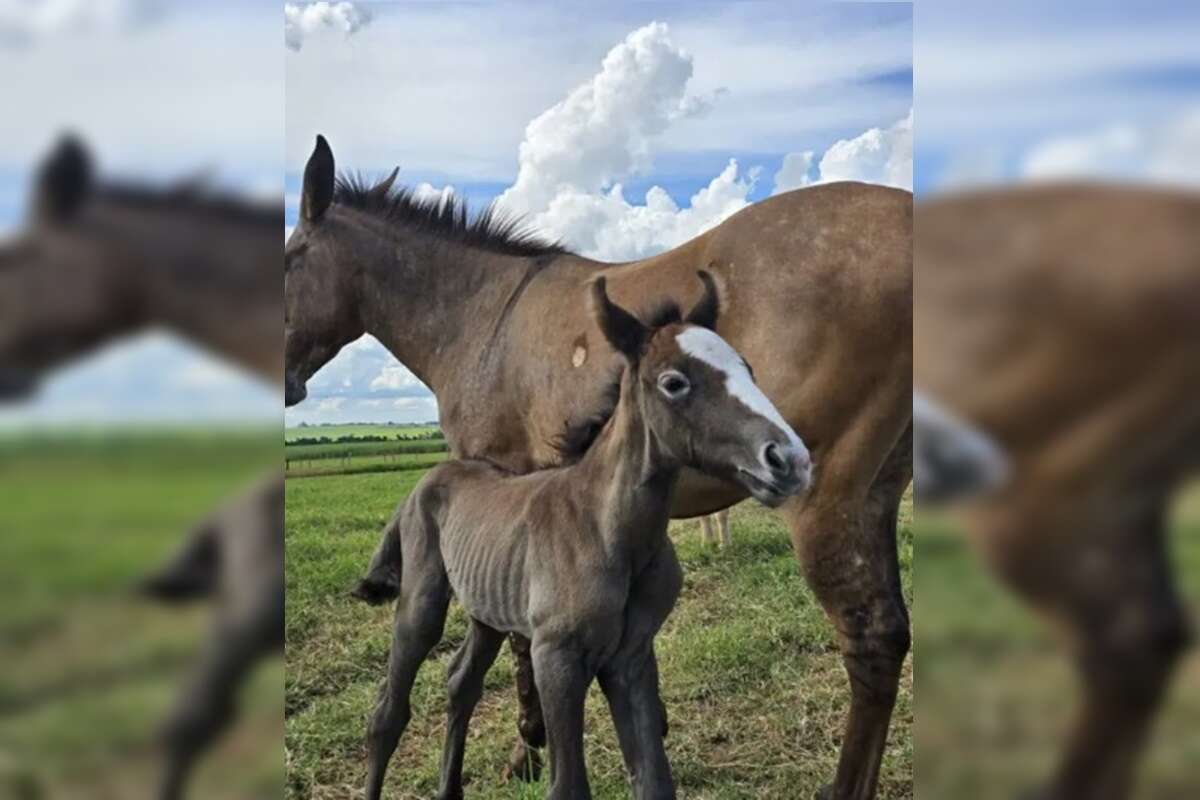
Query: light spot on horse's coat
{"x":580,"y":353}
{"x":703,"y":344}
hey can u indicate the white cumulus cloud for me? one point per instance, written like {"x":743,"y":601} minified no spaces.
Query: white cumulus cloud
{"x":878,"y":155}
{"x":575,"y":154}
{"x":1165,"y":151}
{"x":24,"y":21}
{"x":301,"y":21}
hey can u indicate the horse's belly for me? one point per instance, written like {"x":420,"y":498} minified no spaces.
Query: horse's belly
{"x":697,"y":494}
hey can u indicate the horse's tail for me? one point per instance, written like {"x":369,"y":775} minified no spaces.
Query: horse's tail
{"x":382,"y":581}
{"x":191,"y":574}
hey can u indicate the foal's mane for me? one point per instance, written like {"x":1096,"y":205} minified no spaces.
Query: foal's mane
{"x":580,"y":433}
{"x":445,"y":216}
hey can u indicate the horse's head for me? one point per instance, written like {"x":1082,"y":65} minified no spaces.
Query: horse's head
{"x":62,"y":291}
{"x":951,"y":459}
{"x":699,"y":398}
{"x":320,"y":296}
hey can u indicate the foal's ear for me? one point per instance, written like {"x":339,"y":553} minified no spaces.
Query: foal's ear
{"x":705,"y":312}
{"x":622,"y":330}
{"x":318,"y":182}
{"x":63,"y":180}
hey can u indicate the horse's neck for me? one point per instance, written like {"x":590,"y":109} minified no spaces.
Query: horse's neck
{"x":439,"y":307}
{"x":218,"y":285}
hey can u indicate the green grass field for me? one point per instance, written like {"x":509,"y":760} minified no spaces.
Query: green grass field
{"x":753,"y":684}
{"x":88,"y":670}
{"x":995,"y":691}
{"x":336,"y":431}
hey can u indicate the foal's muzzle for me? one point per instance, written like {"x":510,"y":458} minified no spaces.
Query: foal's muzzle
{"x":784,"y":469}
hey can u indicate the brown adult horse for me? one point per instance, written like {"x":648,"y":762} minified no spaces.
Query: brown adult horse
{"x":98,"y":261}
{"x":818,"y":292}
{"x":1065,"y":321}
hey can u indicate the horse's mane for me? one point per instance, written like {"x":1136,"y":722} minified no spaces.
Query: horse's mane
{"x":445,"y":216}
{"x":580,"y":433}
{"x":194,"y":196}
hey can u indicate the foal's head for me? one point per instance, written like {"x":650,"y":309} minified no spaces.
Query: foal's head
{"x":699,"y":398}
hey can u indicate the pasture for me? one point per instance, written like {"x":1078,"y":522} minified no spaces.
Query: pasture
{"x":753,"y":683}
{"x":357,"y":430}
{"x":350,"y":449}
{"x":996,"y":693}
{"x":89,"y":669}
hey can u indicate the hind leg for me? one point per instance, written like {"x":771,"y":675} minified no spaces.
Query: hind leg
{"x":465,"y":686}
{"x":1111,"y":591}
{"x":726,"y":537}
{"x":848,"y":555}
{"x":420,"y":617}
{"x":206,"y":705}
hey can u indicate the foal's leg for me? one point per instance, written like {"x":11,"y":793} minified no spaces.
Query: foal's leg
{"x":563,"y":680}
{"x":848,"y":556}
{"x":708,"y":535}
{"x":630,"y":680}
{"x":206,"y":705}
{"x":420,"y":617}
{"x":465,"y":686}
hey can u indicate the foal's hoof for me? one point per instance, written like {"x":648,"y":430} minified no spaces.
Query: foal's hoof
{"x":524,"y":764}
{"x":376,"y":591}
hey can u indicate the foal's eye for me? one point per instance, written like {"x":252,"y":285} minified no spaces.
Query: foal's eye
{"x":673,"y":384}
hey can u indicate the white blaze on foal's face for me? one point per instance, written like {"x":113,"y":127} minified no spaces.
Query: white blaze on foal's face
{"x":704,"y":345}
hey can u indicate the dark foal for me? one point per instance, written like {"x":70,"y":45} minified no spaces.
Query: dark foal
{"x":577,"y":558}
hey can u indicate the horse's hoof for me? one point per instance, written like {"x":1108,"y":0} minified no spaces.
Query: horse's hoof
{"x":824,"y":793}
{"x":525,"y":764}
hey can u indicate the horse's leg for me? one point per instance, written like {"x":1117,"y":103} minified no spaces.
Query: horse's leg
{"x":1111,"y":592}
{"x":726,"y":537}
{"x":630,"y":680}
{"x":464,"y":685}
{"x":707,"y":534}
{"x":563,"y":682}
{"x":420,"y":617}
{"x":525,"y":762}
{"x":206,"y":705}
{"x":847,"y":550}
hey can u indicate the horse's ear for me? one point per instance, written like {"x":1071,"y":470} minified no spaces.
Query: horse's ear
{"x":380,"y":190}
{"x":318,"y":182}
{"x":64,"y":180}
{"x":622,"y":330}
{"x":706,"y":310}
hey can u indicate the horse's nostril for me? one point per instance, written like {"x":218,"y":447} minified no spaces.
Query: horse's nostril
{"x":774,"y":459}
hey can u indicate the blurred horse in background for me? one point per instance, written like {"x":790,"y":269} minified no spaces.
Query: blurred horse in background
{"x":98,"y":261}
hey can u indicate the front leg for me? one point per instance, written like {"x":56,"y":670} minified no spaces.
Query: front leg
{"x":562,"y":680}
{"x":630,"y":679}
{"x":630,"y":685}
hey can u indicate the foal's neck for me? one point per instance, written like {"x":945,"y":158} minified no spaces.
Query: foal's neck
{"x":632,"y":475}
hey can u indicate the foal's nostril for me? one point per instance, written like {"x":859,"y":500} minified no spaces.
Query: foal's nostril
{"x":774,"y":460}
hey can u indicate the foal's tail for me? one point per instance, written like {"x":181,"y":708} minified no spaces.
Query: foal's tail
{"x":382,"y":581}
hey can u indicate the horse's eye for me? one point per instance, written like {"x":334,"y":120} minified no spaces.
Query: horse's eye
{"x":673,"y":384}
